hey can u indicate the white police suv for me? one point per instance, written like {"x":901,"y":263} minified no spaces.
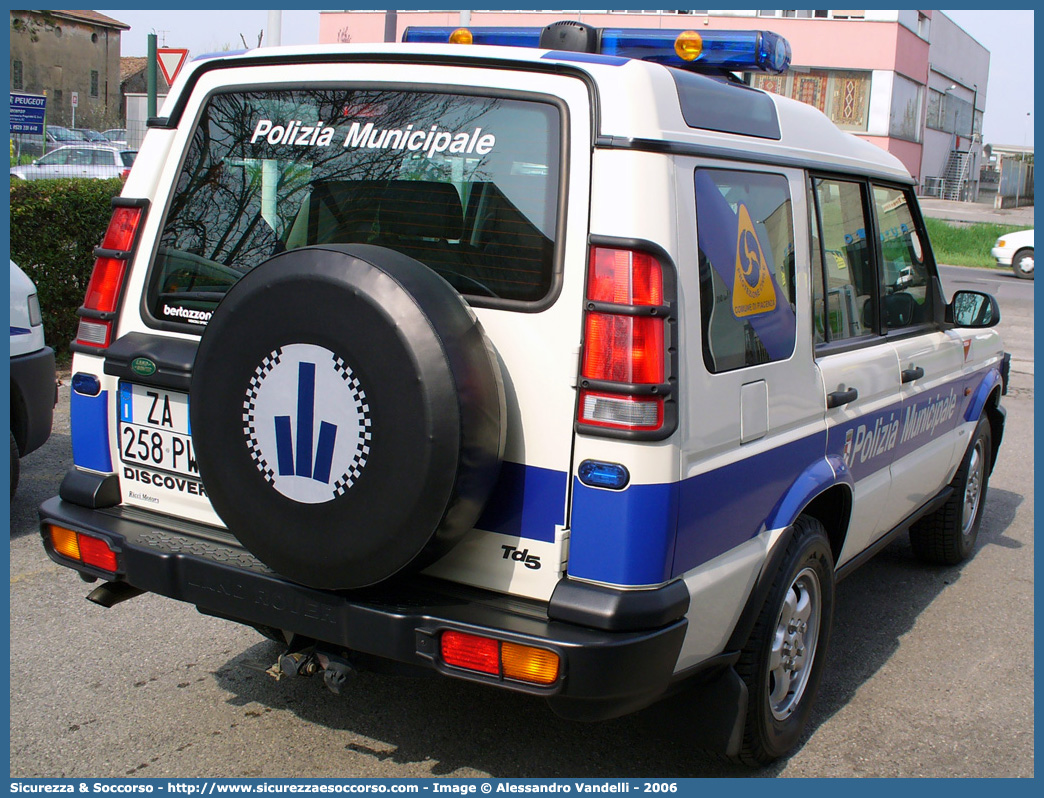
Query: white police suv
{"x":34,"y":390}
{"x":557,"y":360}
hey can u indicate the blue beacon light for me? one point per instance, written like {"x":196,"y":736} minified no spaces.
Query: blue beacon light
{"x":701,"y":51}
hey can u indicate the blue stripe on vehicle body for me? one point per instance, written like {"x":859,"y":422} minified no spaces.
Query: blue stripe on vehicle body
{"x":527,"y":502}
{"x":646,"y":534}
{"x":722,"y":508}
{"x":623,"y":537}
{"x":21,"y":331}
{"x":89,"y":426}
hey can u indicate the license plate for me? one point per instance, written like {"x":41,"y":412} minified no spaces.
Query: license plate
{"x":155,"y":431}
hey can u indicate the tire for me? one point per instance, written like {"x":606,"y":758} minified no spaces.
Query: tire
{"x":947,"y":536}
{"x":1022,"y":264}
{"x":15,"y":467}
{"x":782,"y":661}
{"x":400,"y":397}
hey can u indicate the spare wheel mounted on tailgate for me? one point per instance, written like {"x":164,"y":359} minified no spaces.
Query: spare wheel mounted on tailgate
{"x":348,"y":414}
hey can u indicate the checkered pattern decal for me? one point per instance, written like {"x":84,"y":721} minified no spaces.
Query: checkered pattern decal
{"x":295,"y":466}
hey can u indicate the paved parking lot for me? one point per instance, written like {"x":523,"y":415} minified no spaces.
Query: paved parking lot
{"x":930,"y":671}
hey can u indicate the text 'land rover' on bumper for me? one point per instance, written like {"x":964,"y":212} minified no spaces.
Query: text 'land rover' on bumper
{"x":557,"y":360}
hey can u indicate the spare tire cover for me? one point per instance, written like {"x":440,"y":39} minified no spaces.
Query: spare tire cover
{"x":347,"y":414}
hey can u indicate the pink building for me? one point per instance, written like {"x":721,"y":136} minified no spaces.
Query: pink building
{"x":911,"y":82}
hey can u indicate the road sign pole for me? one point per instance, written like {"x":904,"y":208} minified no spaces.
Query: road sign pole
{"x":150,"y":77}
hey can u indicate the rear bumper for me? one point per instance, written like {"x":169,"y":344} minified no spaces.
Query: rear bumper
{"x":603,"y":673}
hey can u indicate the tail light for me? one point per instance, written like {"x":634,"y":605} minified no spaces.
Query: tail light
{"x":500,"y":658}
{"x":124,"y":173}
{"x":98,"y":312}
{"x":83,"y":548}
{"x":625,"y":379}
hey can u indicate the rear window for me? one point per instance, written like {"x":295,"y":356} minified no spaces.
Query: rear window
{"x":467,"y":185}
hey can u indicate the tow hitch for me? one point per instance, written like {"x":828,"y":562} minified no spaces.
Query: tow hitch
{"x":309,"y":661}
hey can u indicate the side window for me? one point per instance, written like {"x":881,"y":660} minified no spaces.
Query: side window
{"x":849,"y":279}
{"x":55,"y":158}
{"x":745,"y":227}
{"x":907,"y":297}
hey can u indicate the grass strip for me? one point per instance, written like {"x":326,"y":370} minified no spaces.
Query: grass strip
{"x":961,"y":244}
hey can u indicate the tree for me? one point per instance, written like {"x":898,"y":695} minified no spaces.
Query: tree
{"x":33,"y":24}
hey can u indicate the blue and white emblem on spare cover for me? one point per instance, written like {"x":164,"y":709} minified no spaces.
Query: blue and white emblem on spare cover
{"x":307,"y":423}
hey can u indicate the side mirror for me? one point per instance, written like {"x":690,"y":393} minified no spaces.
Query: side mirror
{"x":973,"y":309}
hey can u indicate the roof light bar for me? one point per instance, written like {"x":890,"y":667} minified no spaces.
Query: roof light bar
{"x":705,"y":50}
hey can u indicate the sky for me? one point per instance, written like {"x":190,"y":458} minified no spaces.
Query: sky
{"x":1008,"y":35}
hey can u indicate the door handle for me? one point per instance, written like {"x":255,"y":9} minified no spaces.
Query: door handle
{"x":911,"y":374}
{"x":838,"y":398}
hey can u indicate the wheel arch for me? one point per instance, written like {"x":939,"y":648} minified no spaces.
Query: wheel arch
{"x":986,"y":400}
{"x":833,"y":509}
{"x":824,"y":492}
{"x":996,"y":415}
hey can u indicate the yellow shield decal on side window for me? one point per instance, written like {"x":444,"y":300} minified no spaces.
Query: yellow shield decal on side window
{"x":752,"y":289}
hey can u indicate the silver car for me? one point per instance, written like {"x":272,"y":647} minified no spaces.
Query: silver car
{"x":78,"y":160}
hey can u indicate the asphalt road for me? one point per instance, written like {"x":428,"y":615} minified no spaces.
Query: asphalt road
{"x":930,"y":671}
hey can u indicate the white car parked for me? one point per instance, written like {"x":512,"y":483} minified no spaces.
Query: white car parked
{"x":91,"y":160}
{"x":1015,"y":250}
{"x":33,"y":387}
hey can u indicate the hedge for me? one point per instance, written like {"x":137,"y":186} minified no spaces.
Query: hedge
{"x":55,"y":226}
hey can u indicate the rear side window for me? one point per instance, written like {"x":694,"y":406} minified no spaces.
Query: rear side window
{"x":745,"y":227}
{"x":467,"y":185}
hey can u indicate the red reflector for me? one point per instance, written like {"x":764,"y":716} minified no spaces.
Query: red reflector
{"x":623,"y":348}
{"x":97,"y":553}
{"x":471,"y":651}
{"x":122,"y":226}
{"x":624,"y":277}
{"x":103,"y":290}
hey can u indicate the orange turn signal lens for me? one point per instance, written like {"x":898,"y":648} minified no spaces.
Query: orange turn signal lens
{"x":83,"y":548}
{"x":461,"y":36}
{"x":688,"y":45}
{"x":498,"y":658}
{"x":65,"y":542}
{"x":528,"y":664}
